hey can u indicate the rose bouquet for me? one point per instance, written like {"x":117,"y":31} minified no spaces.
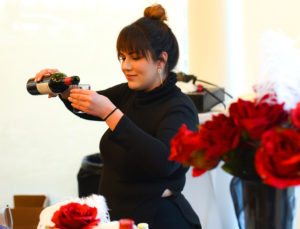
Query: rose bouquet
{"x":256,"y":140}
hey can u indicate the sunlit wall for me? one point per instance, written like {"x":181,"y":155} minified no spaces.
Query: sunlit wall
{"x":224,"y":48}
{"x":42,"y":144}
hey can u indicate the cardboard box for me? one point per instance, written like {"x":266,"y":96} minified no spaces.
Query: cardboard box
{"x":27,"y":209}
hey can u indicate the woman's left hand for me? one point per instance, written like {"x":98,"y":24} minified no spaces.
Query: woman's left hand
{"x":91,"y":102}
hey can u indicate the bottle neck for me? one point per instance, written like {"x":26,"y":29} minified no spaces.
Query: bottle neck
{"x":71,"y":80}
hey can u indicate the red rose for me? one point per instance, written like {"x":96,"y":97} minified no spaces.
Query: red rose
{"x":277,"y":161}
{"x":256,"y":118}
{"x":218,"y":136}
{"x":185,"y":148}
{"x":183,"y":144}
{"x":203,"y":149}
{"x":75,"y":216}
{"x":295,"y":116}
{"x":197,"y":172}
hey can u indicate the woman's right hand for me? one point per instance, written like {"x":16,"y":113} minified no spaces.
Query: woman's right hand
{"x":45,"y":72}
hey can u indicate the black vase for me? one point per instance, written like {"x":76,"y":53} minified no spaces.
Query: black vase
{"x":260,"y":206}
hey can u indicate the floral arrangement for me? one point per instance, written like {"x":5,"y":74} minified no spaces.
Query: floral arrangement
{"x":75,"y":216}
{"x":258,"y":139}
{"x":78,"y":213}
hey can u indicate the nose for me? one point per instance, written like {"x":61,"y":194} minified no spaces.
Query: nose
{"x":126,"y":65}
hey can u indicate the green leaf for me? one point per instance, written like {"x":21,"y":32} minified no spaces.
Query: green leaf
{"x":240,"y":162}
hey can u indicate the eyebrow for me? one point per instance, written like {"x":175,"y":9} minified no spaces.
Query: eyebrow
{"x":139,"y":53}
{"x":129,"y":53}
{"x":133,"y":52}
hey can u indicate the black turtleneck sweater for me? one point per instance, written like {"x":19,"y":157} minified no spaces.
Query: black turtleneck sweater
{"x":136,"y":167}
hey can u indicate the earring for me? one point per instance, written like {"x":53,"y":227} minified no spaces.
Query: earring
{"x":160,"y":76}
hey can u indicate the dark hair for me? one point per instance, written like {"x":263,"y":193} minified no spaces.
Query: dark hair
{"x":150,"y":33}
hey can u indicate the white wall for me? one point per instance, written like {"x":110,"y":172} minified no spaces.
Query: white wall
{"x":41,"y":143}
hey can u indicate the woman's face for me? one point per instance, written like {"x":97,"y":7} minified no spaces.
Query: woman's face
{"x":141,"y":72}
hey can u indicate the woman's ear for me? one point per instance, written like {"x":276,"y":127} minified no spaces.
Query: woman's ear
{"x":163,"y":58}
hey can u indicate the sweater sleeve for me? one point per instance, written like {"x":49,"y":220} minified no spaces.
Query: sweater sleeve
{"x":152,"y":152}
{"x":81,"y":115}
{"x":113,"y":93}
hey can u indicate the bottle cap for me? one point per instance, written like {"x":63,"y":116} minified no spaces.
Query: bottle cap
{"x":126,"y":223}
{"x":143,"y":226}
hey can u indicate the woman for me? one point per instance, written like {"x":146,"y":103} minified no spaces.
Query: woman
{"x":138,"y":180}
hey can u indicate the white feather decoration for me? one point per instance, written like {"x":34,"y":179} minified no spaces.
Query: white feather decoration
{"x":280,"y":72}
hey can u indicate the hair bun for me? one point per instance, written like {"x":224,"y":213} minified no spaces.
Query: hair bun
{"x":156,"y":12}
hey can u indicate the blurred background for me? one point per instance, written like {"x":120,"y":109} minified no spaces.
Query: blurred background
{"x":42,"y":144}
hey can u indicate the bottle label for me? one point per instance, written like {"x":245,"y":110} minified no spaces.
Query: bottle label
{"x":43,"y":88}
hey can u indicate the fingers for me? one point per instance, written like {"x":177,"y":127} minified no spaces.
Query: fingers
{"x":78,"y":98}
{"x":80,"y":91}
{"x":39,"y":76}
{"x":82,"y":106}
{"x":52,"y":95}
{"x":81,"y":99}
{"x":81,"y":94}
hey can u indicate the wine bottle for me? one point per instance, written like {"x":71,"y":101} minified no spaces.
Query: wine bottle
{"x":54,"y":83}
{"x":126,"y":224}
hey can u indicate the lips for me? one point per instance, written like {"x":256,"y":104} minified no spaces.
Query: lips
{"x":130,"y":76}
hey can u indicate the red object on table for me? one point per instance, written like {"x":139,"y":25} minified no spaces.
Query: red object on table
{"x":126,"y":224}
